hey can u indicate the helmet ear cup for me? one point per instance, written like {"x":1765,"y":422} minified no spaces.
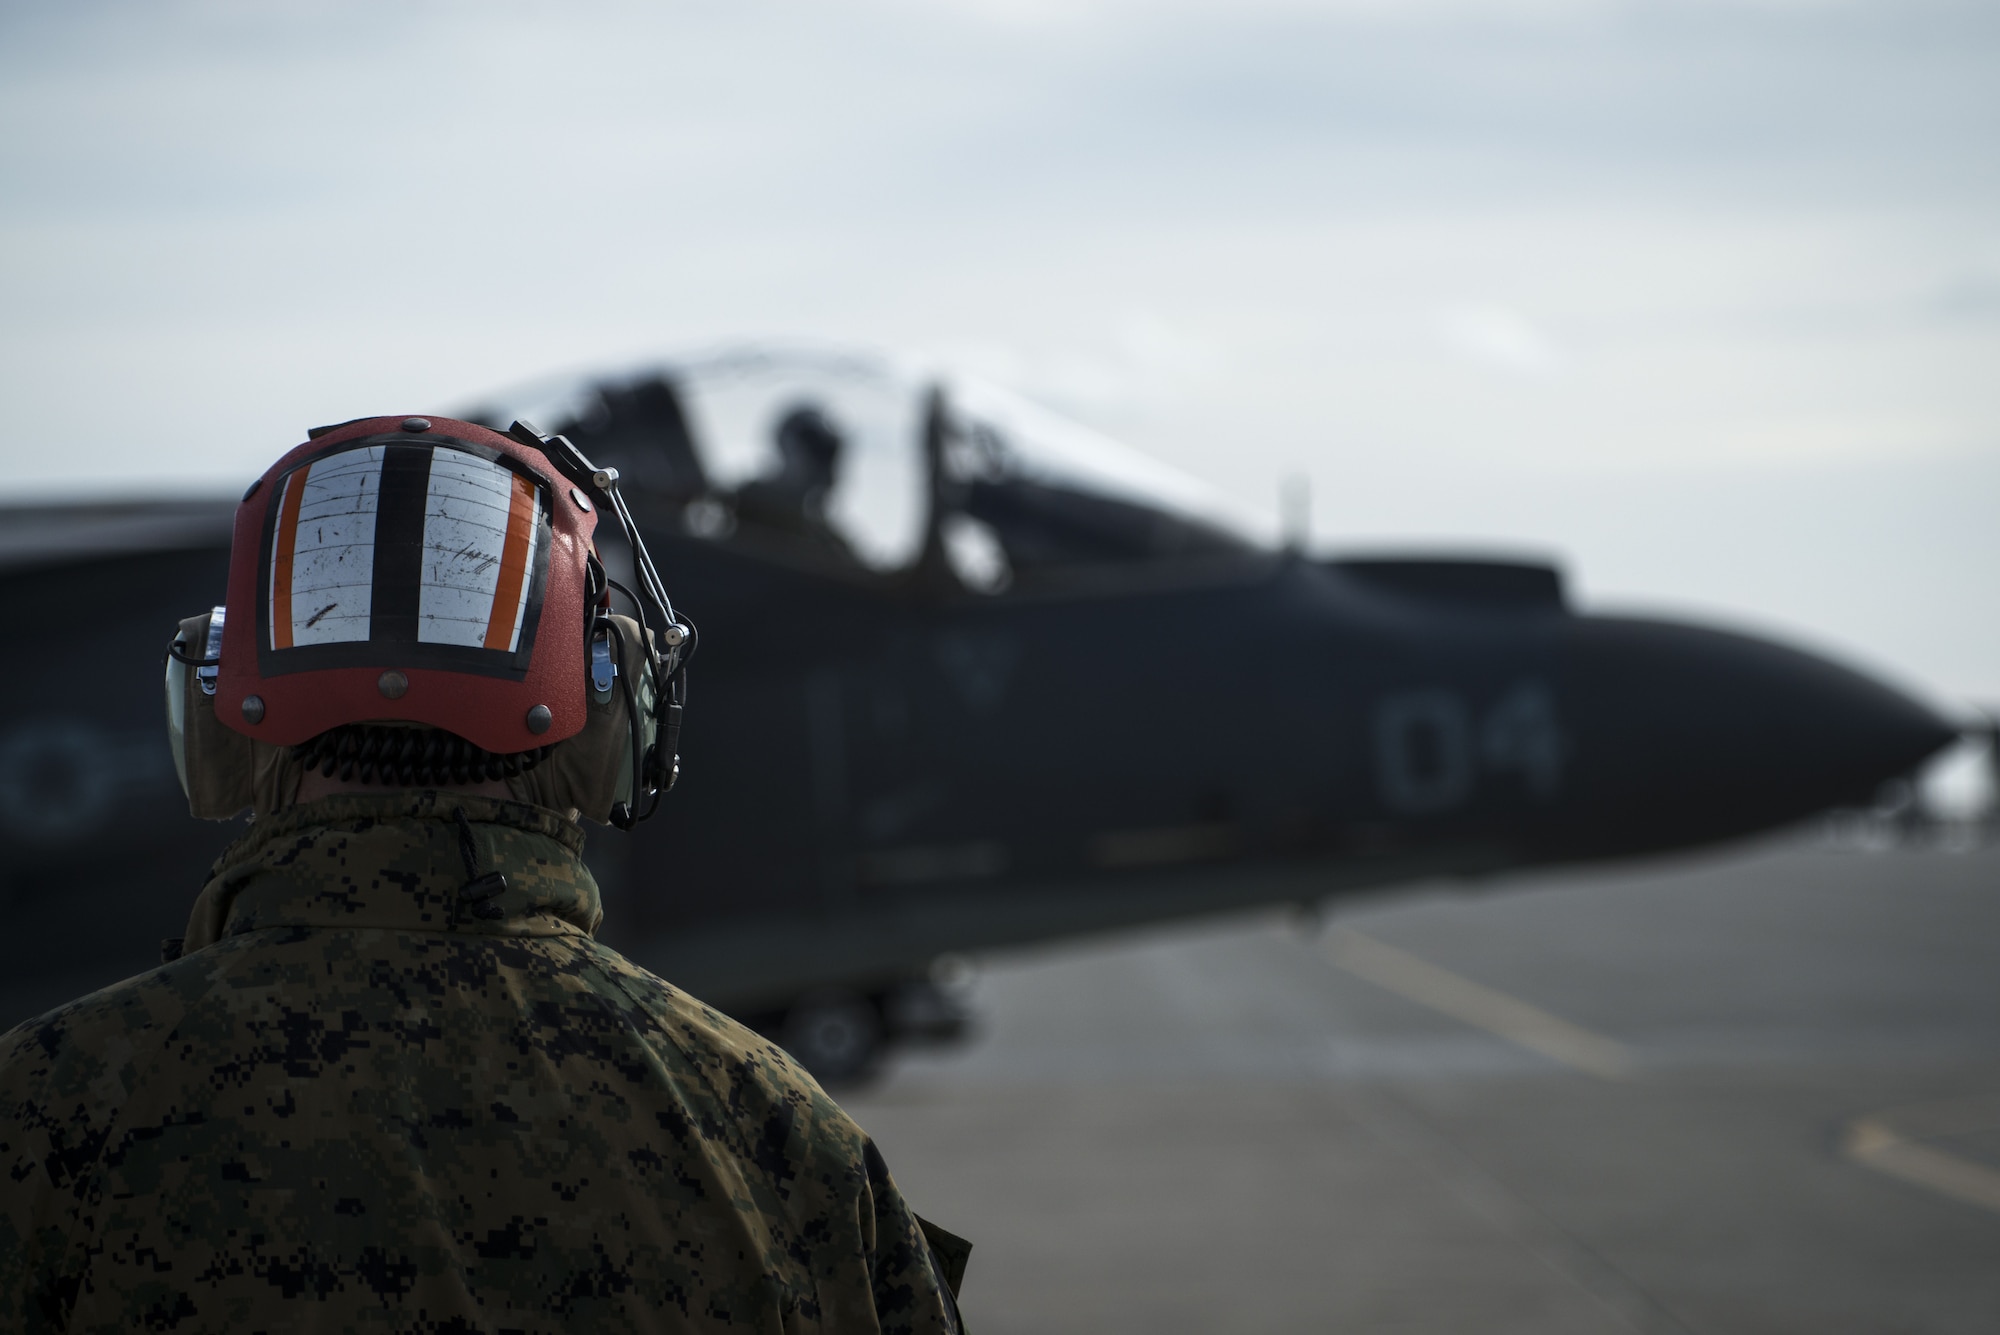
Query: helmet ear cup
{"x":217,"y":765}
{"x":591,"y":773}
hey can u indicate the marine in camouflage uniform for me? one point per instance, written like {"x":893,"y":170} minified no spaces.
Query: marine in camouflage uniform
{"x":380,"y":1091}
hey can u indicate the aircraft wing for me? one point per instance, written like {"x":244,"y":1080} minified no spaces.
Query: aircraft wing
{"x":53,"y":534}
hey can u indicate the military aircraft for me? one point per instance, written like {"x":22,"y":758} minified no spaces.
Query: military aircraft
{"x":972,"y":676}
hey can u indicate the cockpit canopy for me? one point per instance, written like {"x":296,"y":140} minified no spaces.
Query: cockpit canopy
{"x":852,"y":463}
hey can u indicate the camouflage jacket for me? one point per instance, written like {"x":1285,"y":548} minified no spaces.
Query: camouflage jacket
{"x":379,"y":1092}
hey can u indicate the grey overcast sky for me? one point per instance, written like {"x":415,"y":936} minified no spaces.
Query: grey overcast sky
{"x":1701,"y":297}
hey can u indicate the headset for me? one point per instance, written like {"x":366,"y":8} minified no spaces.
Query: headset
{"x":255,"y":700}
{"x":661,"y":654}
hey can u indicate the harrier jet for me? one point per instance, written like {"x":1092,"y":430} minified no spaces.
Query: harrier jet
{"x":972,"y":676}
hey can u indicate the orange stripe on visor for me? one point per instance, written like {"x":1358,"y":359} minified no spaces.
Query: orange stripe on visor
{"x":282,"y":548}
{"x":505,"y":621}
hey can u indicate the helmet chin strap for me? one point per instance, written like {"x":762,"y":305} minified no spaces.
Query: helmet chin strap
{"x":668,"y":646}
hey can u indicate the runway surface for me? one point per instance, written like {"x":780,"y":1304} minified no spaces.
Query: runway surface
{"x":1757,"y":1092}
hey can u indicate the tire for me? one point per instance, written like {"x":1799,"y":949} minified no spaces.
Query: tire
{"x":837,"y":1036}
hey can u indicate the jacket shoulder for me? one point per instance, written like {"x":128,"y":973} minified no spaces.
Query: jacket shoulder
{"x":95,"y":1029}
{"x":67,"y":1077}
{"x":811,"y":1177}
{"x":709,"y":1040}
{"x":736,"y":1090}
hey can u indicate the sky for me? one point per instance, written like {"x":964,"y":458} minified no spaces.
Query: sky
{"x":1701,"y":299}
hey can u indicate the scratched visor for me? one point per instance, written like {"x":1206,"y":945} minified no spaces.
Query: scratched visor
{"x":404,"y":554}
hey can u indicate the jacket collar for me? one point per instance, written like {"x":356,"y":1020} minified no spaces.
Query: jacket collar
{"x":394,"y":861}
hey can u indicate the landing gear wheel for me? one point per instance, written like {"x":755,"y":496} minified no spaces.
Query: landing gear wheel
{"x":834,"y":1035}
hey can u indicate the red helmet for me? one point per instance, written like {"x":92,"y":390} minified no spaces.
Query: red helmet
{"x":421,"y":570}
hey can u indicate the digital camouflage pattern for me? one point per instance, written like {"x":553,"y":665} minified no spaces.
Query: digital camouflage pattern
{"x":378,"y":1094}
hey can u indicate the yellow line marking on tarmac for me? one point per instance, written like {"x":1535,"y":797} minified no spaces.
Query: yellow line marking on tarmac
{"x":1892,"y":1143}
{"x":1476,"y":1004}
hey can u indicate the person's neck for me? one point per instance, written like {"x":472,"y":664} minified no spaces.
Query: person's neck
{"x":314,"y":785}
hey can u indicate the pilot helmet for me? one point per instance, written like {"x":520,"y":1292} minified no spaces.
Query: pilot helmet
{"x":808,"y":442}
{"x":419,"y":601}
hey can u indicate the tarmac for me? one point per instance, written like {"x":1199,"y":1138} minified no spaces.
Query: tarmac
{"x":1755,"y":1092}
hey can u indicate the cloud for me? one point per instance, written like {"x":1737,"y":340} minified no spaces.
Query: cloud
{"x":1501,"y":338}
{"x":1077,"y":15}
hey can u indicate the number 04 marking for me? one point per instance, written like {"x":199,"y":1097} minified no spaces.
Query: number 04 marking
{"x":1428,"y":753}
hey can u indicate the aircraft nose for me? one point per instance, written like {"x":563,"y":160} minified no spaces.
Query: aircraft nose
{"x":1712,"y":734}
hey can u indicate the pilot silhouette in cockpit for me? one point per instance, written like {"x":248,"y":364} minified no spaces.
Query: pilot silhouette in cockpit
{"x":792,"y":498}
